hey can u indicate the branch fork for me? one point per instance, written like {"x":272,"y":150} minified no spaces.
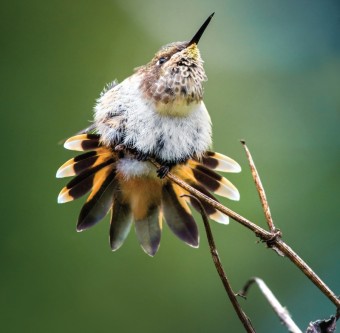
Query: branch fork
{"x":272,"y":238}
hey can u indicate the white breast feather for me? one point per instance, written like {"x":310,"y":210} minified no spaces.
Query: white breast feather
{"x":171,"y":138}
{"x":130,"y":167}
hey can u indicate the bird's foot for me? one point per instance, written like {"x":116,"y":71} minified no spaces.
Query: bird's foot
{"x":163,"y":170}
{"x":141,"y":156}
{"x":120,"y":147}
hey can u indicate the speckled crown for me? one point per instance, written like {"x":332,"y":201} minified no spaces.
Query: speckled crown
{"x":175,"y":74}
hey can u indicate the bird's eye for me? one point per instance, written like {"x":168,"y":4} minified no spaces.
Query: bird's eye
{"x":162,"y":60}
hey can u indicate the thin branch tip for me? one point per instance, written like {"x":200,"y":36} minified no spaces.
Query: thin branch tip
{"x":244,"y":291}
{"x":280,"y":311}
{"x":260,"y":190}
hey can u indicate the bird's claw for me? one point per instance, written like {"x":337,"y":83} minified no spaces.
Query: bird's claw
{"x":120,"y":147}
{"x":141,"y":157}
{"x":163,"y":171}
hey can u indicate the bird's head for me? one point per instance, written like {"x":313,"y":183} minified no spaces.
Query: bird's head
{"x":176,"y":73}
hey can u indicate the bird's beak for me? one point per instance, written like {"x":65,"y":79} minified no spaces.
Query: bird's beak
{"x":200,"y":31}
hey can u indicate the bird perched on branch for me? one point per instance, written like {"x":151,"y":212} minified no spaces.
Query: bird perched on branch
{"x":158,"y":113}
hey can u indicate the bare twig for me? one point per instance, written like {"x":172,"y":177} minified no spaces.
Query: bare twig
{"x":302,"y":265}
{"x":275,"y":304}
{"x":272,"y":240}
{"x":279,"y":244}
{"x":260,"y":189}
{"x":242,"y":316}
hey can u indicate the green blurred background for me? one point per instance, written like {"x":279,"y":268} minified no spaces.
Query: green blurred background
{"x":274,"y":78}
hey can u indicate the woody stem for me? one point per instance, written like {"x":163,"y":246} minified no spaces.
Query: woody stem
{"x":273,"y":240}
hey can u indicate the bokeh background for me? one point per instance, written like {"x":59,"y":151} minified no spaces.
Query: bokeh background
{"x":274,"y":78}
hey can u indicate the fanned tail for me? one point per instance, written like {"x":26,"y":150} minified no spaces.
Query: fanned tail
{"x":145,"y":200}
{"x":220,"y":162}
{"x":143,"y":197}
{"x":201,"y":176}
{"x":149,"y":231}
{"x":177,"y":214}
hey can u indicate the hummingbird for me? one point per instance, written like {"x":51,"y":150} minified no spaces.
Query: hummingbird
{"x":156,"y":113}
